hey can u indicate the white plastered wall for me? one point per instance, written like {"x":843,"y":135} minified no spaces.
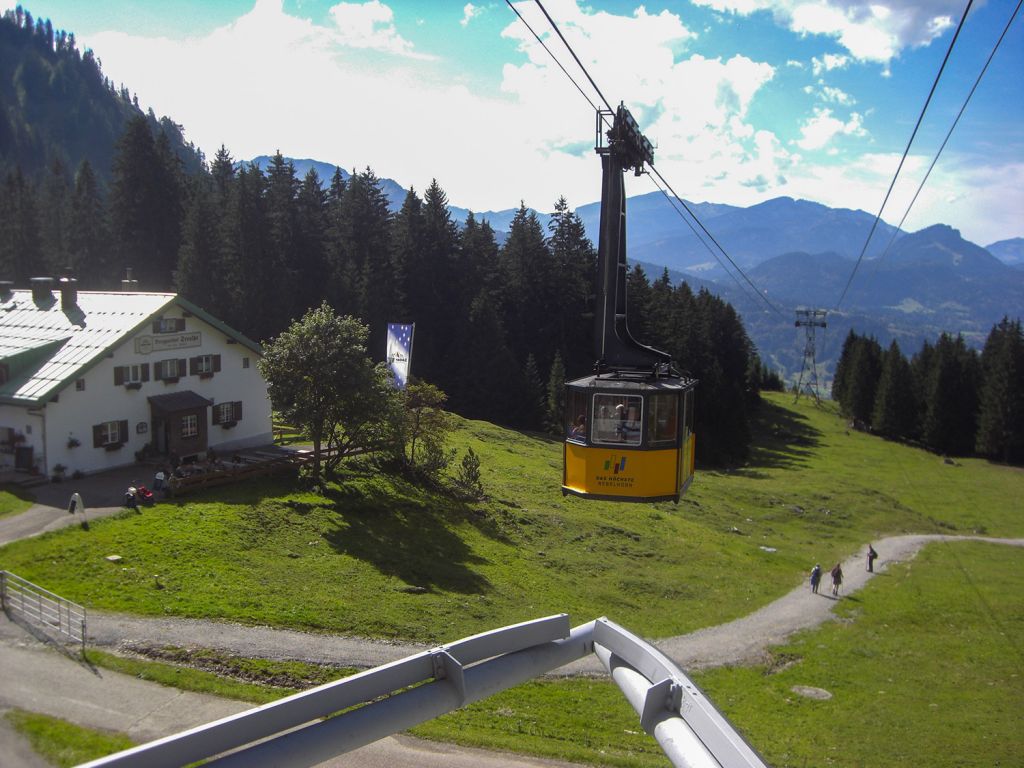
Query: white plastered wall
{"x":76,"y":412}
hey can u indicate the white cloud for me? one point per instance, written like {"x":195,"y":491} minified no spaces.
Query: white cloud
{"x":819,"y":131}
{"x":469,"y":12}
{"x":796,"y":64}
{"x":828,"y":62}
{"x":271,"y":80}
{"x":367,"y":25}
{"x":836,"y":96}
{"x":871,"y":30}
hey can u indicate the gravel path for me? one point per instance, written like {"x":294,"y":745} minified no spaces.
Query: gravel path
{"x":743,"y":640}
{"x":38,"y":679}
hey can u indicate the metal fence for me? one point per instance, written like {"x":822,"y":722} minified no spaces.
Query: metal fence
{"x":316,"y":725}
{"x":42,"y":607}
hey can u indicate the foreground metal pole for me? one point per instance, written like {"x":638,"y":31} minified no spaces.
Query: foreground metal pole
{"x":674,"y":736}
{"x":689,"y":728}
{"x":321,"y":741}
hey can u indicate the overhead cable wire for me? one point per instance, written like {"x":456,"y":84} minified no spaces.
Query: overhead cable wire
{"x":552,"y":55}
{"x":572,"y":52}
{"x":949,"y":133}
{"x":743,"y":288}
{"x":658,"y":173}
{"x":711,"y":237}
{"x":906,"y":151}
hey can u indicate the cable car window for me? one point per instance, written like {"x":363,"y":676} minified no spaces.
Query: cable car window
{"x":662,"y":419}
{"x":617,"y":419}
{"x":576,"y":416}
{"x":688,"y":413}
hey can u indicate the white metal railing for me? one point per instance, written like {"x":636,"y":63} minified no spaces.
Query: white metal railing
{"x":42,"y":607}
{"x":313,"y":726}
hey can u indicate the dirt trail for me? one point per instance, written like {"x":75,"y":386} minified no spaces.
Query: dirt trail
{"x":743,"y":640}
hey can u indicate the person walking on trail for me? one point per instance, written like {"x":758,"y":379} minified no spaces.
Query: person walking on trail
{"x":837,"y":578}
{"x":871,"y":558}
{"x":815,"y":578}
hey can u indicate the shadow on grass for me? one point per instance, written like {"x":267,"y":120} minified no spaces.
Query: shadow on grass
{"x":781,"y":440}
{"x":409,"y":540}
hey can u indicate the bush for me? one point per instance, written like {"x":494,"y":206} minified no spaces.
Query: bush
{"x":467,"y":477}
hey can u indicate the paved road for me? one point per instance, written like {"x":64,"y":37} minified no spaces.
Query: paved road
{"x":40,"y":679}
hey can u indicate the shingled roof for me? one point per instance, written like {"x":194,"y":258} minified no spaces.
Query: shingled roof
{"x":45,"y":345}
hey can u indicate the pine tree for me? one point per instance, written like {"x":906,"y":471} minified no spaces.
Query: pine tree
{"x":862,"y":380}
{"x":20,"y":229}
{"x":555,"y":405}
{"x":88,"y":236}
{"x":199,"y":276}
{"x":843,"y":368}
{"x":895,"y":410}
{"x":534,"y":396}
{"x":952,"y":401}
{"x":1001,"y":412}
{"x":55,"y":210}
{"x":146,"y":199}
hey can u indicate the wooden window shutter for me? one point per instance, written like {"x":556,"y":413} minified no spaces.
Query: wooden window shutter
{"x":193,"y":365}
{"x":181,"y":367}
{"x":144,"y":370}
{"x":216,"y":414}
{"x":122,"y":431}
{"x":236,"y":408}
{"x":216,"y":363}
{"x":156,"y":326}
{"x":179,"y":323}
{"x":118,"y":375}
{"x":97,"y":436}
{"x":158,"y":370}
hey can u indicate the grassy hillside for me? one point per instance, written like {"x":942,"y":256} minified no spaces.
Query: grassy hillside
{"x":378,"y":556}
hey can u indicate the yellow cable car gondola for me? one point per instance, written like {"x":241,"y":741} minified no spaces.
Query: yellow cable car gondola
{"x":629,"y":427}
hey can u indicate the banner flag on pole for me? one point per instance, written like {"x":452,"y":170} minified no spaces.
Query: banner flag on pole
{"x":400,"y":351}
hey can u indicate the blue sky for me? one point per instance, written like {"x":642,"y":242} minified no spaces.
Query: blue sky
{"x":745,"y":99}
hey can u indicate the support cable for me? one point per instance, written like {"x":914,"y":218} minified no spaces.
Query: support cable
{"x":655,"y":171}
{"x":906,"y":151}
{"x":949,"y":133}
{"x":572,"y":53}
{"x":552,"y":55}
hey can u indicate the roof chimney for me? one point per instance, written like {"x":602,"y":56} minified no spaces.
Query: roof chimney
{"x":6,"y":287}
{"x":42,"y":288}
{"x":128,"y":284}
{"x":68,"y":293}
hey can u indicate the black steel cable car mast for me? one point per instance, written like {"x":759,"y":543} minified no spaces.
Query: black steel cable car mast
{"x":615,"y":349}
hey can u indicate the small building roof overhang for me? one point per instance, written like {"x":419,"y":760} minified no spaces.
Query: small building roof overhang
{"x":175,"y":402}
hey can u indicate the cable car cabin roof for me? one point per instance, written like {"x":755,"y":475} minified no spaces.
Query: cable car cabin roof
{"x":634,"y":383}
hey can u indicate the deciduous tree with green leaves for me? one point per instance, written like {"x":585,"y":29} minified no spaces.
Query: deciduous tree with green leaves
{"x":321,"y":379}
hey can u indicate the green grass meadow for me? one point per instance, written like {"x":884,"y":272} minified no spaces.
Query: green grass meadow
{"x":924,"y":665}
{"x":65,"y":744}
{"x":13,"y":501}
{"x":379,"y":556}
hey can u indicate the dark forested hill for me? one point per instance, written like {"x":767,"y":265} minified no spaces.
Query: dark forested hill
{"x":56,"y":104}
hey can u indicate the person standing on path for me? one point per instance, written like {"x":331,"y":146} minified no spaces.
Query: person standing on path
{"x":837,"y":578}
{"x":871,"y":558}
{"x":815,"y":578}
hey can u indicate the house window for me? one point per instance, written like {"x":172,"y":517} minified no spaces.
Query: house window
{"x":169,"y":369}
{"x":169,"y":325}
{"x":80,"y":385}
{"x":245,"y":362}
{"x":204,"y":365}
{"x":189,"y":425}
{"x":227,"y":413}
{"x":131,"y":374}
{"x":110,"y":434}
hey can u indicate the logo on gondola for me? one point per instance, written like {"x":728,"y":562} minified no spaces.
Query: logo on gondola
{"x":616,"y":465}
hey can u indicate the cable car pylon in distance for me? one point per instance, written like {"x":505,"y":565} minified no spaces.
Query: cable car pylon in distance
{"x":809,"y":319}
{"x":629,"y":426}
